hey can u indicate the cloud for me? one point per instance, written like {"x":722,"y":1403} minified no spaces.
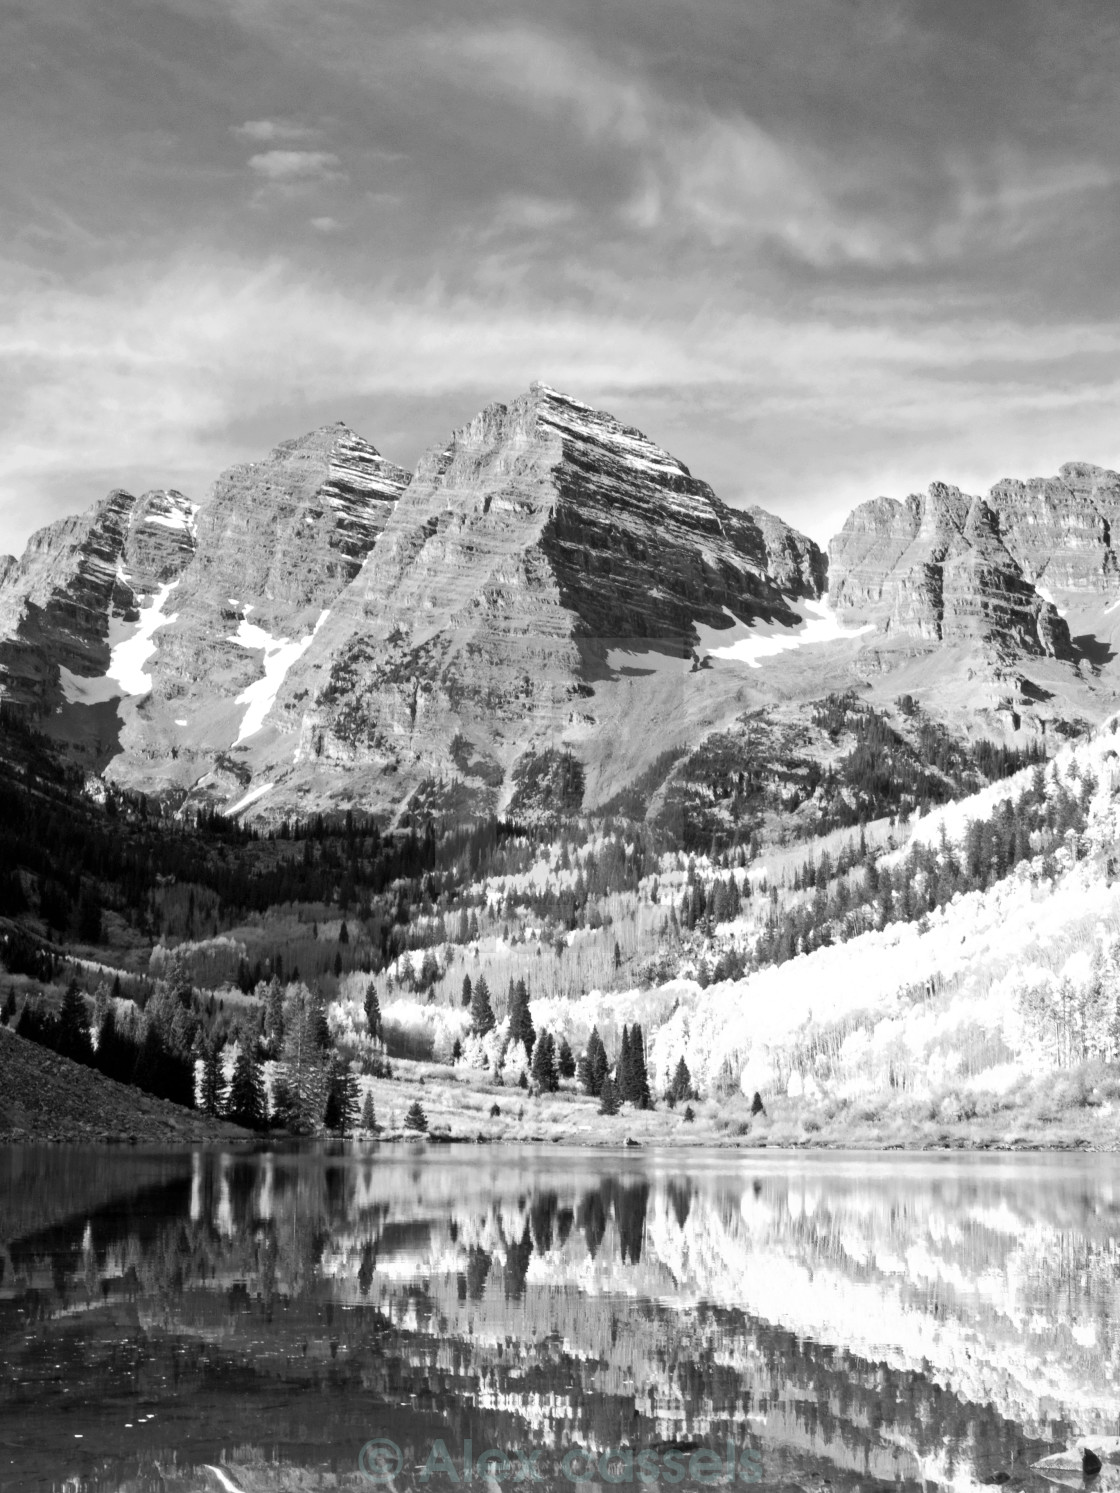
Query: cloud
{"x":326,"y":225}
{"x":741,"y":180}
{"x":270,"y":131}
{"x":290,"y":166}
{"x":790,"y":410}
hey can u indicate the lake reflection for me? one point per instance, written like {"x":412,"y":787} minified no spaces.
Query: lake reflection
{"x":236,"y":1321}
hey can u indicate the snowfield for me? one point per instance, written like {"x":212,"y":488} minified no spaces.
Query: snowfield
{"x":279,"y":656}
{"x":133,"y":644}
{"x":750,"y":645}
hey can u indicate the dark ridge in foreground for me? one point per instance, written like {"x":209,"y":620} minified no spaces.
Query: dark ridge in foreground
{"x":47,"y":1097}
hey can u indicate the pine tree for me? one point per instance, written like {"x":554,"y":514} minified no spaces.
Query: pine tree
{"x":213,"y":1079}
{"x":466,"y":998}
{"x":565,"y":1061}
{"x":9,"y":1006}
{"x":583,"y":1072}
{"x":343,"y":1101}
{"x":305,"y":1086}
{"x":274,"y":1015}
{"x":351,"y":1101}
{"x":544,"y":1064}
{"x":369,"y":1119}
{"x":319,"y":1025}
{"x":116,"y":1052}
{"x":373,"y":1011}
{"x":416,"y":1119}
{"x":624,"y":1076}
{"x":73,"y":1039}
{"x":639,"y":1094}
{"x":246,"y":1105}
{"x":608,"y":1097}
{"x":482,"y":1015}
{"x":681,"y":1087}
{"x":593,"y":1064}
{"x":521,"y":1027}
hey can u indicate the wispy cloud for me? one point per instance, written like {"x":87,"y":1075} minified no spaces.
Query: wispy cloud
{"x":820,"y":251}
{"x":273,"y":131}
{"x":149,"y":372}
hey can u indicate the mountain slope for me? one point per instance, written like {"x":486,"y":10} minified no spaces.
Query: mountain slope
{"x":937,"y":567}
{"x":277,"y":541}
{"x":43,"y":1095}
{"x":548,"y":607}
{"x":544,"y":540}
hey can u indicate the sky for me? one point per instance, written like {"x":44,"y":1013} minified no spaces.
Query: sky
{"x":821,"y":250}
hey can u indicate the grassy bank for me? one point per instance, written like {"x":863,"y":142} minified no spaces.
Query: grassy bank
{"x":1078,"y":1109}
{"x":47,"y":1097}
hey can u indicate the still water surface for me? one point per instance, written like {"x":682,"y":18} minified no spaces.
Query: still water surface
{"x":200,"y":1319}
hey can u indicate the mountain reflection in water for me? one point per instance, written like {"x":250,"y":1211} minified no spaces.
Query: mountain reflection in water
{"x":200,"y":1319}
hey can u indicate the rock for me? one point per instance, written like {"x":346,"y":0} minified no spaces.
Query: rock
{"x":79,"y":587}
{"x":525,"y":625}
{"x":542,"y":540}
{"x":278,"y":541}
{"x":937,"y":567}
{"x":1062,"y":530}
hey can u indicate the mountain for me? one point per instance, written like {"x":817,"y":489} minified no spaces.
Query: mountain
{"x":536,"y":564}
{"x":538,"y":618}
{"x":78,"y":610}
{"x":999,"y":610}
{"x":277,"y":542}
{"x":937,"y":567}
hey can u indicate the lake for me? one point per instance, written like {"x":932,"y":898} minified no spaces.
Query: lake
{"x":334,"y":1317}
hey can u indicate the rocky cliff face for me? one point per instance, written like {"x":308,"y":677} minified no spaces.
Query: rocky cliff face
{"x":542,"y":538}
{"x":278,"y":541}
{"x":79,"y":577}
{"x":1062,"y":530}
{"x":938,"y":567}
{"x":549,"y":593}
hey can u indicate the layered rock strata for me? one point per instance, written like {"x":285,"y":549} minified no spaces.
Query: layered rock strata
{"x":78,"y":577}
{"x":937,"y":567}
{"x":543,"y":537}
{"x":278,"y":541}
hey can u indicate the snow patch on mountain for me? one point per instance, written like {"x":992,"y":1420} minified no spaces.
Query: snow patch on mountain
{"x":1048,"y":595}
{"x":129,"y":656}
{"x":249,"y":798}
{"x":178,"y":518}
{"x":750,"y":644}
{"x":132,"y":647}
{"x":279,"y":656}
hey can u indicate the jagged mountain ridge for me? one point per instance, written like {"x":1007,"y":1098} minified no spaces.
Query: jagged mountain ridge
{"x":278,"y":541}
{"x":75,"y":578}
{"x":326,"y":628}
{"x":937,"y":566}
{"x":542,"y":538}
{"x":950,"y":567}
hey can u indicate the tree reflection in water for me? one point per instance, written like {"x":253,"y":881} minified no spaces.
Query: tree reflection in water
{"x":857,"y":1321}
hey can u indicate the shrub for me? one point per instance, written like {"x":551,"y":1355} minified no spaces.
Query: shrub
{"x":417,"y":1043}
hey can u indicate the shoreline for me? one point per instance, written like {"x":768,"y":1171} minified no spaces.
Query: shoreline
{"x":46,"y":1099}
